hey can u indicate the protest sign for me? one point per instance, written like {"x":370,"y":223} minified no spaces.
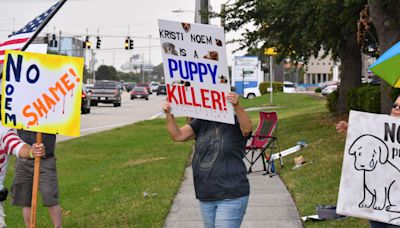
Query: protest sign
{"x":370,"y":181}
{"x":196,"y":70}
{"x":42,"y":93}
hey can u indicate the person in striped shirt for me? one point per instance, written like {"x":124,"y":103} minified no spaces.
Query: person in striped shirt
{"x":11,"y":144}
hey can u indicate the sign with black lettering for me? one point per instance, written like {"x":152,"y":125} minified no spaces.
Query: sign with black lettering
{"x":370,"y":181}
{"x":196,"y":70}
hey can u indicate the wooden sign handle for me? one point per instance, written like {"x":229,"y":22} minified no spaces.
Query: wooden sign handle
{"x":35,"y":184}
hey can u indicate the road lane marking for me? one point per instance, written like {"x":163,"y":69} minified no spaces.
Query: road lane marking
{"x":155,"y":116}
{"x":105,"y":126}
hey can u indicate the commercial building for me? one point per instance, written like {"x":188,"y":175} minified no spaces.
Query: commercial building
{"x":321,"y":69}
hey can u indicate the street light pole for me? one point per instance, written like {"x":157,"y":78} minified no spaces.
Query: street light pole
{"x":270,"y":77}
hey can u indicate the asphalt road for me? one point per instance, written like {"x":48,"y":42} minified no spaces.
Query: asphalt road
{"x":106,"y":116}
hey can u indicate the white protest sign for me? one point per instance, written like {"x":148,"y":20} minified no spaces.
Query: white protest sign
{"x":370,"y":181}
{"x":196,"y":70}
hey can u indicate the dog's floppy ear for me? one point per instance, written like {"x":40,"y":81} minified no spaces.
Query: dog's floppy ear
{"x":383,"y":153}
{"x":355,"y":145}
{"x":352,"y":152}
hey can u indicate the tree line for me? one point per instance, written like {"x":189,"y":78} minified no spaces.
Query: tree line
{"x":301,"y":28}
{"x":107,"y":72}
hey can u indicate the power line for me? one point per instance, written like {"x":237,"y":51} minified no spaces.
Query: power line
{"x":110,"y":49}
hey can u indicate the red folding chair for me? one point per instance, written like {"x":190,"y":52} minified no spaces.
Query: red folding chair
{"x":262,"y":140}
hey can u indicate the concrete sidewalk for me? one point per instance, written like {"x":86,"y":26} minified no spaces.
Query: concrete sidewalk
{"x":270,"y":204}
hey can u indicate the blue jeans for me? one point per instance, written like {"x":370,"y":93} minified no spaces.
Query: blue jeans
{"x":226,"y":213}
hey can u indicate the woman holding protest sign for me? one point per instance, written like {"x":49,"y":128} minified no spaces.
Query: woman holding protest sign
{"x":342,"y":127}
{"x":220,"y":177}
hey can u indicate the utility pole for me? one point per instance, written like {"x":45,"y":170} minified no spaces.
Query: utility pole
{"x":59,"y":44}
{"x":93,"y":65}
{"x":148,"y":72}
{"x":130,"y":52}
{"x":13,"y":25}
{"x":142,"y":66}
{"x":114,"y":59}
{"x":204,"y":12}
{"x":201,"y":12}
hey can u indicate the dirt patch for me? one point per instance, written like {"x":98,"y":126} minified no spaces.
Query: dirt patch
{"x":142,"y":161}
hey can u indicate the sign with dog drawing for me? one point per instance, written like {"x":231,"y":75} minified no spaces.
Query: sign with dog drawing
{"x":42,"y":93}
{"x":196,"y":70}
{"x":370,"y":181}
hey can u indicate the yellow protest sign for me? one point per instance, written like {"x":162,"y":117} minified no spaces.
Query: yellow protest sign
{"x":42,"y":93}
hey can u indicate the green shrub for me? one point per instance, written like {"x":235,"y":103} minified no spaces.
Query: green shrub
{"x":364,"y":98}
{"x":332,"y":102}
{"x":370,"y":99}
{"x":351,"y":100}
{"x":318,"y":90}
{"x":263,"y":87}
{"x":277,"y":87}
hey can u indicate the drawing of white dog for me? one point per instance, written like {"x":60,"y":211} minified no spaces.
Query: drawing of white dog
{"x":381,"y":178}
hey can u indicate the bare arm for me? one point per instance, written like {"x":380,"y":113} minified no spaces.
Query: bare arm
{"x":246,"y":126}
{"x":177,"y":134}
{"x":37,"y":151}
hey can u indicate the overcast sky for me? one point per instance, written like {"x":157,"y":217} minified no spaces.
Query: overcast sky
{"x":111,"y":19}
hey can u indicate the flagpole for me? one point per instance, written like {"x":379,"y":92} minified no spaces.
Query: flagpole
{"x":42,"y":25}
{"x":40,"y":28}
{"x":36,"y":172}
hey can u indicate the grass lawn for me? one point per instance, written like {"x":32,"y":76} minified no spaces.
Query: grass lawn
{"x":102,"y":177}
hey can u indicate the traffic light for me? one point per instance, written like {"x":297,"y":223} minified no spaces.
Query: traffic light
{"x":130,"y":44}
{"x":127,"y":41}
{"x":98,"y":43}
{"x":88,"y":43}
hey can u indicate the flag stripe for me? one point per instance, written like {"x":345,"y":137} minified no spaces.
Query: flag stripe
{"x":14,"y":41}
{"x":2,"y":52}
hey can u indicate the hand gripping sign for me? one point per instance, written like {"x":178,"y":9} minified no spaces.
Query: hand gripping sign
{"x":42,"y":93}
{"x":196,"y":70}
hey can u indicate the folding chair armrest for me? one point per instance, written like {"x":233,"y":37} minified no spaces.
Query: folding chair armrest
{"x":264,"y":136}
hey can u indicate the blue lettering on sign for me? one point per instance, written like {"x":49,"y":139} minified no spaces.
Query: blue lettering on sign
{"x":37,"y":74}
{"x":189,"y":70}
{"x":16,"y":69}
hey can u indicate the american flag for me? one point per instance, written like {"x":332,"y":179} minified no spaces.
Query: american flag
{"x":18,"y":39}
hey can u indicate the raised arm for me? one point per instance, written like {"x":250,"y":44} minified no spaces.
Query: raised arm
{"x":178,"y":134}
{"x":246,"y":126}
